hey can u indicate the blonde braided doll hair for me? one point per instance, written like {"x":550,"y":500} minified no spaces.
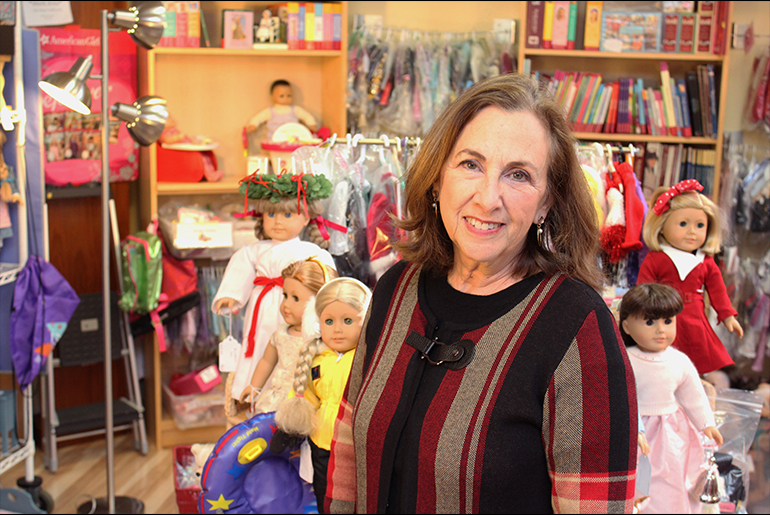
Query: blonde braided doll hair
{"x":289,"y":205}
{"x":297,"y":415}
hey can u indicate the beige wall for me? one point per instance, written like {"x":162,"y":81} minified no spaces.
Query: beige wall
{"x":439,"y":16}
{"x":740,"y":69}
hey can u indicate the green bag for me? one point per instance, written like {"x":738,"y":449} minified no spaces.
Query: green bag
{"x":142,"y":272}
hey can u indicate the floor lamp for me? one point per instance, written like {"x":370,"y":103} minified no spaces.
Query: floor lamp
{"x":145,"y":119}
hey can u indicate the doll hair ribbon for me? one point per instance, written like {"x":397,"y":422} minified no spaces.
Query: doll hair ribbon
{"x":663,"y":202}
{"x":251,"y":179}
{"x":269,"y":284}
{"x":323,"y":223}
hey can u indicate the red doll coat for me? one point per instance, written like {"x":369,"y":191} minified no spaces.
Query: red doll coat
{"x":694,"y":335}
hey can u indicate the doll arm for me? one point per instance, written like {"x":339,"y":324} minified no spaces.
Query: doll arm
{"x":264,"y":368}
{"x":647,"y":272}
{"x":306,"y":118}
{"x":691,"y":396}
{"x":732,"y":325}
{"x":715,"y":286}
{"x":258,"y":119}
{"x":643,"y":445}
{"x":713,"y":433}
{"x":237,"y":281}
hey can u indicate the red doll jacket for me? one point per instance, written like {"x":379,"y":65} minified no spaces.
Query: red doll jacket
{"x":694,"y":335}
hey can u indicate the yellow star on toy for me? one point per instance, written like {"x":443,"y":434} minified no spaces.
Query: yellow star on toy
{"x":220,"y":503}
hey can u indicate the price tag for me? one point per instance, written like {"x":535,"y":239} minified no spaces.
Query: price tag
{"x":229,"y":351}
{"x":208,"y":374}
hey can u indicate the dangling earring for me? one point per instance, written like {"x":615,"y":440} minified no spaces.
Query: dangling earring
{"x":434,"y":205}
{"x":540,"y":232}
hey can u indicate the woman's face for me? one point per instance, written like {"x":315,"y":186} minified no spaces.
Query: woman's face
{"x":493,"y":187}
{"x":283,"y":226}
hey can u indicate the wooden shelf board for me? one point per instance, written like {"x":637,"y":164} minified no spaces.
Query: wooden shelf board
{"x":601,"y":136}
{"x":255,"y":52}
{"x":540,"y":52}
{"x":226,"y":185}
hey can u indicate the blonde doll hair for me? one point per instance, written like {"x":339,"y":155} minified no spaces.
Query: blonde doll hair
{"x":310,"y":272}
{"x":297,"y":415}
{"x":289,"y":205}
{"x":653,"y":225}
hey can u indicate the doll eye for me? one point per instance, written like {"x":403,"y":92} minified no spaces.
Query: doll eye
{"x":649,"y":322}
{"x":285,"y":296}
{"x":295,"y":298}
{"x":348,"y":321}
{"x":288,"y":215}
{"x":270,"y":215}
{"x":682,"y":224}
{"x":701,"y":225}
{"x":329,"y":321}
{"x":669,"y":321}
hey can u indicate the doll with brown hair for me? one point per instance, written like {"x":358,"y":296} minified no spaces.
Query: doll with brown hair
{"x":301,"y":281}
{"x":285,"y":206}
{"x":671,"y":399}
{"x":331,"y":326}
{"x":683,"y":231}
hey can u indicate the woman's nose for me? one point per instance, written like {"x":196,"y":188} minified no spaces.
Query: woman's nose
{"x":487,"y":193}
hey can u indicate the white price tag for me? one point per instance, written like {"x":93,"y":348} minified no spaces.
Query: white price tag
{"x":208,"y":374}
{"x":229,"y":351}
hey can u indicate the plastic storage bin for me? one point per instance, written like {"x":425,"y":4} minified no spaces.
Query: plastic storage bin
{"x":197,"y":410}
{"x":186,"y":498}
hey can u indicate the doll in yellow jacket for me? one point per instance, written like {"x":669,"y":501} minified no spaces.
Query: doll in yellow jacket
{"x":332,"y":325}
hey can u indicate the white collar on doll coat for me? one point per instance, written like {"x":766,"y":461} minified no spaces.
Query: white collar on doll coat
{"x":683,"y":261}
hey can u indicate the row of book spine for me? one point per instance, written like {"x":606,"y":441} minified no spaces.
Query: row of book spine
{"x":667,"y":164}
{"x":683,"y":107}
{"x":681,"y":32}
{"x":314,"y":26}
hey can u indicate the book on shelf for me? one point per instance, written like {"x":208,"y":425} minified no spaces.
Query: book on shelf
{"x":337,"y":27}
{"x":609,"y":125}
{"x":301,"y":23}
{"x":686,"y":32}
{"x":560,"y":29}
{"x":668,"y":106}
{"x":292,"y":26}
{"x":319,"y":27}
{"x":548,"y":24}
{"x":712,"y":98}
{"x":580,"y":25}
{"x":705,"y":109}
{"x":572,"y":24}
{"x":707,"y":6}
{"x":310,"y":26}
{"x":664,"y":151}
{"x":592,"y":103}
{"x":678,"y":7}
{"x":677,"y":106}
{"x":652,"y":162}
{"x":639,"y":162}
{"x":534,"y":25}
{"x":592,"y":32}
{"x":630,"y":31}
{"x":704,"y":33}
{"x":670,"y":41}
{"x":640,"y":107}
{"x":721,"y":24}
{"x":686,"y":118}
{"x":693,"y":93}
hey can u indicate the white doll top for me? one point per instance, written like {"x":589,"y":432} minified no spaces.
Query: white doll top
{"x":666,"y":380}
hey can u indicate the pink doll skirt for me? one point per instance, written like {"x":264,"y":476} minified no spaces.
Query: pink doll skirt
{"x":677,"y":459}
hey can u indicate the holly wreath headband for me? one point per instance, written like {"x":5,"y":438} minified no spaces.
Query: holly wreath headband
{"x":306,"y":187}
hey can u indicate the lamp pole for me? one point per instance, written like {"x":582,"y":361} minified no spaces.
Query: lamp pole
{"x":105,"y":48}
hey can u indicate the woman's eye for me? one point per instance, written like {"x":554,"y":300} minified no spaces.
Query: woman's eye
{"x":518,"y":175}
{"x":469,"y":165}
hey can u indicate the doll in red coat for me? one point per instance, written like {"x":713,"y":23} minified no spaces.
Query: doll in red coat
{"x":683,"y":233}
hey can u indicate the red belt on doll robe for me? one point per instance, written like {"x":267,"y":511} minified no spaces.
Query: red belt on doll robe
{"x":268,"y":284}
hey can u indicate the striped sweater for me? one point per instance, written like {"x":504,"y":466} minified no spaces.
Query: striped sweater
{"x":543,"y":419}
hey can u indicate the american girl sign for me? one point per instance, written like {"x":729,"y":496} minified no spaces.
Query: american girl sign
{"x":73,"y":141}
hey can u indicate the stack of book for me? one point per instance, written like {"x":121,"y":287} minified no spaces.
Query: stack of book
{"x":314,"y":26}
{"x":681,"y":26}
{"x":665,"y":165}
{"x":183,"y":25}
{"x":684,"y":107}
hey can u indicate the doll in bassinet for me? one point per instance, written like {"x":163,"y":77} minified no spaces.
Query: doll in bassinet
{"x":301,"y":281}
{"x":253,"y":279}
{"x":683,"y":232}
{"x":672,"y":402}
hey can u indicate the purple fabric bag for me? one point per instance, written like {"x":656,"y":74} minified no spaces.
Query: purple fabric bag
{"x":43,"y":303}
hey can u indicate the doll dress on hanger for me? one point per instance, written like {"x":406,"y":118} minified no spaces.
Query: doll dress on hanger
{"x":689,"y":273}
{"x":282,"y":378}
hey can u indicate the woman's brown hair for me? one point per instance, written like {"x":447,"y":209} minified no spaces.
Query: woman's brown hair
{"x":571,"y":238}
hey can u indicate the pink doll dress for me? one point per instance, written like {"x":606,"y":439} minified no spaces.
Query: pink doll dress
{"x":673,"y":405}
{"x":689,"y":274}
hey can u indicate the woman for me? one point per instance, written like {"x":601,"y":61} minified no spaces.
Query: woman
{"x":490,"y":375}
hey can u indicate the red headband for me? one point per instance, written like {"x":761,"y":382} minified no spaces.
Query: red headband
{"x":664,"y":201}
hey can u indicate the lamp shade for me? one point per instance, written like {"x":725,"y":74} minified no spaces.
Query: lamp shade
{"x":69,"y":88}
{"x":144,"y":22}
{"x":145,"y":118}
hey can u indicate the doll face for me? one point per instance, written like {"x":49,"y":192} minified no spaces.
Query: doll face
{"x":283,"y":226}
{"x":651,"y":335}
{"x":281,"y":95}
{"x":686,"y":229}
{"x":340,"y":326}
{"x":295,"y":297}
